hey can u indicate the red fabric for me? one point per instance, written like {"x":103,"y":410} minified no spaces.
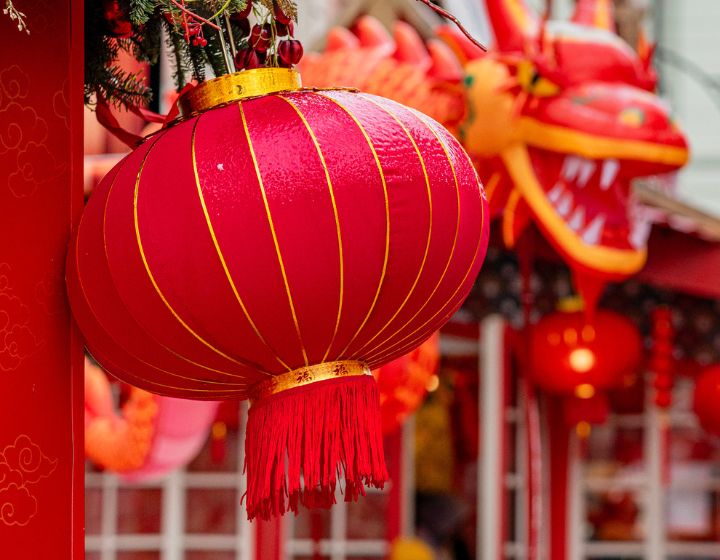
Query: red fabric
{"x":199,"y":339}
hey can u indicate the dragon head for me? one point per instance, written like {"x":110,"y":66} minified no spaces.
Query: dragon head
{"x":561,"y":117}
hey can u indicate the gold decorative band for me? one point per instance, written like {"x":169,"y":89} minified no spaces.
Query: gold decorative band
{"x":234,"y":87}
{"x":307,"y":375}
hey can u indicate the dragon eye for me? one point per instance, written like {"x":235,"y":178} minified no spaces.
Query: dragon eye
{"x":535,"y":83}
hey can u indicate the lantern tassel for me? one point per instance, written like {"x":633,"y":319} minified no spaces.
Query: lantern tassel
{"x":302,"y":441}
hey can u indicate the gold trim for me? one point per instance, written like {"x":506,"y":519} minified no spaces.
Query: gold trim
{"x":421,"y":118}
{"x":219,"y":252}
{"x":430,"y":223}
{"x":278,"y":252}
{"x":337,"y":220}
{"x":306,"y":376}
{"x":235,"y":87}
{"x":391,"y":350}
{"x":387,"y":216}
{"x":151,"y":277}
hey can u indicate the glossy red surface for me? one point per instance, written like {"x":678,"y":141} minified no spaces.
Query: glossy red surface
{"x":283,"y":231}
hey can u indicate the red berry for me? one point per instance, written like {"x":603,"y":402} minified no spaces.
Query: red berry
{"x":280,"y":16}
{"x":290,"y":51}
{"x":260,"y":38}
{"x":284,"y":29}
{"x":247,"y":58}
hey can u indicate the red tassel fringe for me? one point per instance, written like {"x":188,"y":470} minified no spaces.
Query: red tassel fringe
{"x":302,"y":441}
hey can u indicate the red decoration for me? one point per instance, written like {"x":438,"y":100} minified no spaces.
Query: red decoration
{"x":117,"y":21}
{"x":571,"y":356}
{"x":278,"y":248}
{"x":706,"y":399}
{"x":404,"y":382}
{"x":152,"y":435}
{"x":662,"y":362}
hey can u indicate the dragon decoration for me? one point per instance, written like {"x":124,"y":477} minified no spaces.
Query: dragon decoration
{"x":559,"y":117}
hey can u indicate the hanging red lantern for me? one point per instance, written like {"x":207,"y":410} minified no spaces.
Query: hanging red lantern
{"x":570,"y":355}
{"x":276,"y":244}
{"x":403,"y":383}
{"x":706,"y":398}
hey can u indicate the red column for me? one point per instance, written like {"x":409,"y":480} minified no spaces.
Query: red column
{"x":269,"y":539}
{"x":41,"y":401}
{"x":559,"y":441}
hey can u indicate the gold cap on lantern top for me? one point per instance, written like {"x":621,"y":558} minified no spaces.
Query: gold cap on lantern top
{"x":235,"y":87}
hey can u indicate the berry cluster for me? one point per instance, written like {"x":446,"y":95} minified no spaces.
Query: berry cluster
{"x":269,"y":42}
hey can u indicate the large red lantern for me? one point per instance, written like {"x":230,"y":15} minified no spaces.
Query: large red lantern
{"x":570,"y":355}
{"x":277,"y":244}
{"x":706,"y":399}
{"x":403,"y":383}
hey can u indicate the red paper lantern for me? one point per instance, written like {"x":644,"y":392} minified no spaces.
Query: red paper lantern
{"x":706,"y":399}
{"x":277,"y":244}
{"x":404,"y":382}
{"x":571,"y":356}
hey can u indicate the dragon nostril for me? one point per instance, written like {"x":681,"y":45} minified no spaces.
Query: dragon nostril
{"x":632,"y":116}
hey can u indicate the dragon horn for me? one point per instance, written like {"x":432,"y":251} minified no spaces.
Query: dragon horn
{"x":372,"y":33}
{"x":409,"y":46}
{"x":595,"y":13}
{"x":512,"y":22}
{"x":339,"y":38}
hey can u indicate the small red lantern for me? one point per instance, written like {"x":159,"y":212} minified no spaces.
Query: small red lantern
{"x":571,"y":356}
{"x":706,"y":399}
{"x":403,"y":383}
{"x":276,"y":244}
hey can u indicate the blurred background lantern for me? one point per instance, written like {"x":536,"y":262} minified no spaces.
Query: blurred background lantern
{"x":571,"y":354}
{"x":278,"y":246}
{"x":706,"y":399}
{"x":150,"y":436}
{"x":404,"y":382}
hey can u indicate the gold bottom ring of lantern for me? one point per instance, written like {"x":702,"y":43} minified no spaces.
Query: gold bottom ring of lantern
{"x":306,"y":376}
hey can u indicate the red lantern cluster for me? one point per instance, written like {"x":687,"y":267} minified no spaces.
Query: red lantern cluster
{"x":662,"y":362}
{"x":278,"y":247}
{"x":570,"y":355}
{"x":706,"y":399}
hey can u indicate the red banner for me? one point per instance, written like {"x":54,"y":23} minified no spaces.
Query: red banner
{"x":41,"y":451}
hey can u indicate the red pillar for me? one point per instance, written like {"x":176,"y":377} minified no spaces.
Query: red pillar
{"x":41,"y":401}
{"x":559,"y":442}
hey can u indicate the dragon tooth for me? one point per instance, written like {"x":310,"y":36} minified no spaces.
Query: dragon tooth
{"x":587,"y":168}
{"x":609,"y":172}
{"x":640,"y":233}
{"x":565,"y":204}
{"x":555,"y":192}
{"x":592,"y":233}
{"x":577,"y":220}
{"x":571,"y":167}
